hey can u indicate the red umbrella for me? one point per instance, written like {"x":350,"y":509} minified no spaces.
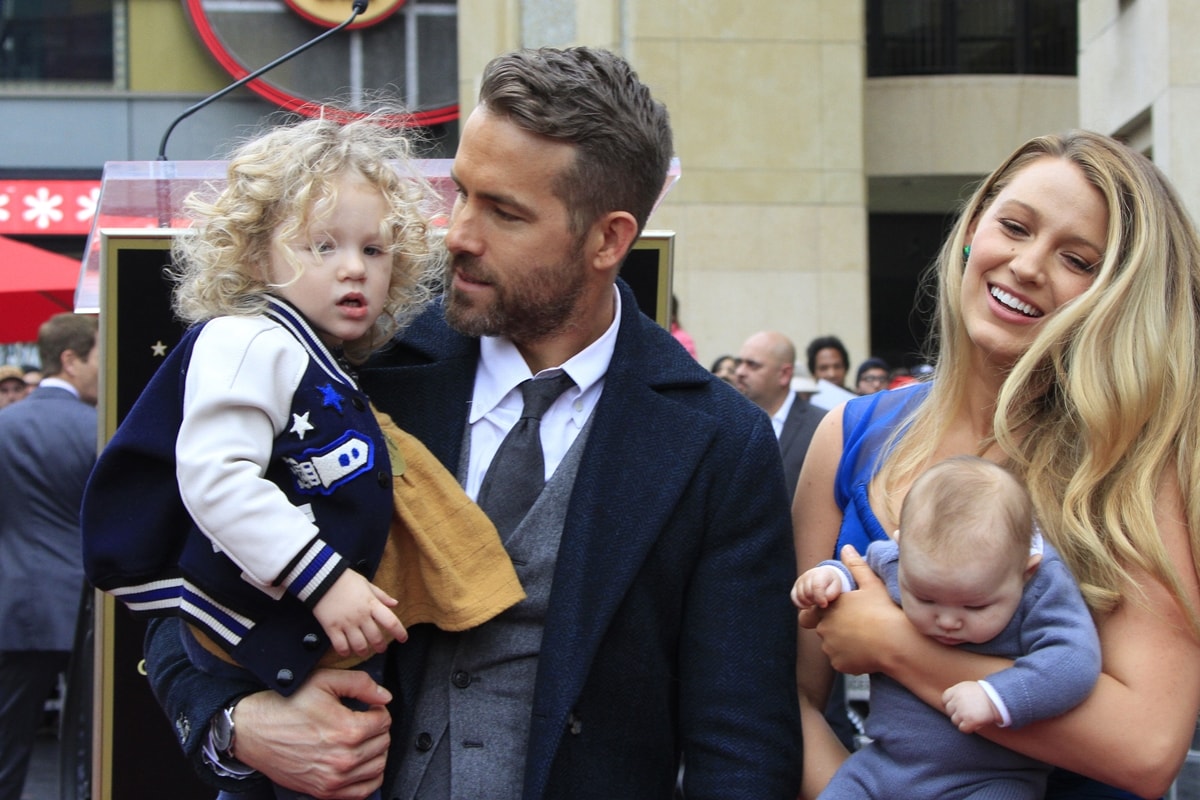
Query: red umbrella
{"x":35,"y":284}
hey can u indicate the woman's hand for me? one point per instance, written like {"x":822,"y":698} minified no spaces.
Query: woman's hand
{"x":859,"y":630}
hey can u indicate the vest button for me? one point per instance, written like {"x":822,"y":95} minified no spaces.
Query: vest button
{"x":310,"y":641}
{"x":461,"y":679}
{"x":284,"y":677}
{"x":384,"y":479}
{"x":424,"y":742}
{"x":358,"y":403}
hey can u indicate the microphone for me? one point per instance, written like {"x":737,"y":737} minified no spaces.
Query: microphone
{"x":358,"y":7}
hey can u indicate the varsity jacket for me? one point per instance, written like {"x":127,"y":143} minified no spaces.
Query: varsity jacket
{"x":254,"y":539}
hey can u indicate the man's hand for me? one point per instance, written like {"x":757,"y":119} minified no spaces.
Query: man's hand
{"x":310,"y":742}
{"x":969,"y":707}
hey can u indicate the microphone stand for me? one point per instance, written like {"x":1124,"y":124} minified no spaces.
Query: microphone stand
{"x":359,"y":7}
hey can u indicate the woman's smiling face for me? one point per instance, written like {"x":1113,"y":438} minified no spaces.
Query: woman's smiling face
{"x":1035,"y":248}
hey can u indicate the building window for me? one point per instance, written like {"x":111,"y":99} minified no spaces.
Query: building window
{"x":56,"y":41}
{"x":948,"y":37}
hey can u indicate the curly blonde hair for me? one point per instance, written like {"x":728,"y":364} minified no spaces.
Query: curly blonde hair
{"x":282,"y":182}
{"x":1102,"y":404}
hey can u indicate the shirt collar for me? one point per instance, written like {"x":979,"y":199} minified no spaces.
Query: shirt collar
{"x":502,"y":368}
{"x":58,"y":383}
{"x":780,"y":416}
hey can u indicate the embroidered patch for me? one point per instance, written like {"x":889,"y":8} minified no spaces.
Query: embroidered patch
{"x":330,"y":398}
{"x":301,"y":425}
{"x":322,"y":471}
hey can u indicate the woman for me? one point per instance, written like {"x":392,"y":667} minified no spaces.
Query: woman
{"x":1068,"y":325}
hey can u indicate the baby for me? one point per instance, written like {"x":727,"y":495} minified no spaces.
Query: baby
{"x":974,"y":572}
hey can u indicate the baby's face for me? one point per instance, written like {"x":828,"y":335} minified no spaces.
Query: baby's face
{"x":959,"y":603}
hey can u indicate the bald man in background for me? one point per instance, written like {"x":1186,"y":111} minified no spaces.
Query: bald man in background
{"x":764,"y":376}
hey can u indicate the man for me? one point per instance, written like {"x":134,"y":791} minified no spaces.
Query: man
{"x":764,"y":374}
{"x":828,"y":360}
{"x":47,"y":448}
{"x":656,"y":561}
{"x":872,"y":376}
{"x":12,"y":385}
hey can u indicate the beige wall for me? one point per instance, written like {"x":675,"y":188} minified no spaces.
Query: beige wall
{"x":1140,"y":77}
{"x":766,"y":101}
{"x":165,"y":54}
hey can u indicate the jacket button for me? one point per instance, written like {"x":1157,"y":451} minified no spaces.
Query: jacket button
{"x":311,"y":641}
{"x":461,"y":678}
{"x":284,"y":677}
{"x":383,"y":479}
{"x":574,"y":724}
{"x":424,"y":742}
{"x":358,"y":403}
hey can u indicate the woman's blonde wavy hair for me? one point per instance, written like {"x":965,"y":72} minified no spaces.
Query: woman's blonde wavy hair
{"x":285,"y":180}
{"x":1103,"y":403}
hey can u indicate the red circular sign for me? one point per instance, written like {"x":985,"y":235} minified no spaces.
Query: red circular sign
{"x":331,"y":13}
{"x":368,"y":60}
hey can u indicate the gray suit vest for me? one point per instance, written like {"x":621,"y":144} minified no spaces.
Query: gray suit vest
{"x":470,"y":728}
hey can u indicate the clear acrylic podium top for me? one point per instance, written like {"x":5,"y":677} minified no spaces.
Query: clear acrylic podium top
{"x":150,"y":194}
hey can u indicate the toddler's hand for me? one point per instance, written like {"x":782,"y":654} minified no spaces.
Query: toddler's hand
{"x":357,"y":617}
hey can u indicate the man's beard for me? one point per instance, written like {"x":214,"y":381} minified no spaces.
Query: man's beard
{"x":529,"y":307}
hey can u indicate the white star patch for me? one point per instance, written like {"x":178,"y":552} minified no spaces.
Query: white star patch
{"x":158,"y":349}
{"x":301,"y":425}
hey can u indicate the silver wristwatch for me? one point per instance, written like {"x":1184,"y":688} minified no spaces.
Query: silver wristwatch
{"x":222,"y":733}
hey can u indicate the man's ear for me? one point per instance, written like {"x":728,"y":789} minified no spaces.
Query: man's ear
{"x":610,"y":238}
{"x":69,"y":361}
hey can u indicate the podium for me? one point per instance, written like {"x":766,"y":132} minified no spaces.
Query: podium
{"x":133,"y":747}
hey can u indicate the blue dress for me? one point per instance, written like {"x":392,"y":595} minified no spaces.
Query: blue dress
{"x":867,"y":426}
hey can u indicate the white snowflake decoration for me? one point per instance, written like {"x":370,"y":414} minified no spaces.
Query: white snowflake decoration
{"x":43,"y":208}
{"x":87,"y":205}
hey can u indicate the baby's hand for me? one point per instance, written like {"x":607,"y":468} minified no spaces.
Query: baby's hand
{"x":818,"y":587}
{"x":969,"y":707}
{"x":357,"y":617}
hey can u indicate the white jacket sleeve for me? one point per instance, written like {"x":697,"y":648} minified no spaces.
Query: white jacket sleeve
{"x":237,"y":399}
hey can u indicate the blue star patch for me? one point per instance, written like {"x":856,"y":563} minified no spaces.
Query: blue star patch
{"x":330,"y":397}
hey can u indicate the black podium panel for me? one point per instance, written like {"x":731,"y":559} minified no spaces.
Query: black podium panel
{"x":135,"y":750}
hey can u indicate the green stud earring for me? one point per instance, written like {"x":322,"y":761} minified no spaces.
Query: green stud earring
{"x":966,"y":253}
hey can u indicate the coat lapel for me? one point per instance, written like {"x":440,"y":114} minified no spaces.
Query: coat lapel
{"x":604,"y":544}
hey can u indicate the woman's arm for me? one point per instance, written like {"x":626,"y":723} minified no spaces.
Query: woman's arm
{"x":1134,"y":729}
{"x":816,"y":520}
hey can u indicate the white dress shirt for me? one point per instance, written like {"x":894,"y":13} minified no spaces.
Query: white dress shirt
{"x":496,"y":403}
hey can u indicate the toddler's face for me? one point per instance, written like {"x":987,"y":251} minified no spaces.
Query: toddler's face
{"x":959,"y":603}
{"x":347,"y":269}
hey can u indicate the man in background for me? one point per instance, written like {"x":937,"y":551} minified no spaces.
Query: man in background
{"x":12,"y":385}
{"x":828,"y":360}
{"x":764,"y":376}
{"x":47,"y":448}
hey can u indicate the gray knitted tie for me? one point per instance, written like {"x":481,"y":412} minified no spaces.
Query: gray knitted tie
{"x":518,"y":472}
